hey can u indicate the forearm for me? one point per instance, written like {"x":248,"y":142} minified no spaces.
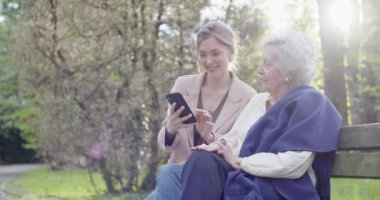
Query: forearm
{"x":208,"y":136}
{"x":166,"y":141}
{"x":290,"y":164}
{"x":169,"y":138}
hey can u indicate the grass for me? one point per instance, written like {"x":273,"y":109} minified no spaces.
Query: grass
{"x":355,"y":189}
{"x":75,"y":185}
{"x":44,"y":183}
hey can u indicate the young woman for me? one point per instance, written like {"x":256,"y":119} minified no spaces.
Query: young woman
{"x":215,"y":95}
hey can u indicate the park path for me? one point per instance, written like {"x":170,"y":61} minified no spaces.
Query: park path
{"x":8,"y":172}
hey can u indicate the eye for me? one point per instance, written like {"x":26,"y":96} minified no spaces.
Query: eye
{"x":202,"y":55}
{"x":216,"y":54}
{"x":267,"y":64}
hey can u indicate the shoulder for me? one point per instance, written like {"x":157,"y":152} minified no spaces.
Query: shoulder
{"x":262,"y":96}
{"x":182,"y":83}
{"x":307,"y":98}
{"x":309,"y":94}
{"x":257,"y":102}
{"x":188,"y":78}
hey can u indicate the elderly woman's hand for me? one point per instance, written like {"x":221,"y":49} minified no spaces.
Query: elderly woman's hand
{"x":213,"y":147}
{"x":228,"y":155}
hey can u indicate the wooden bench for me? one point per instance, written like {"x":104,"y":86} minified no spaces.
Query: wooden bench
{"x":358,"y":154}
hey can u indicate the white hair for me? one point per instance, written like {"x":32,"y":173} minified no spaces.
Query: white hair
{"x":297,"y":58}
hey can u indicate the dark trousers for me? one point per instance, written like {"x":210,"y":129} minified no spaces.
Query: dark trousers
{"x":203,"y":176}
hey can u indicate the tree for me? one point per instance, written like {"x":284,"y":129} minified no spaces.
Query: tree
{"x":370,"y":70}
{"x":92,"y":67}
{"x":333,"y":59}
{"x":354,"y":76}
{"x":14,"y":114}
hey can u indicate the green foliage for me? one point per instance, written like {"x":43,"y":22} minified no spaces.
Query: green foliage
{"x":250,"y":24}
{"x":14,"y":113}
{"x":25,"y":122}
{"x":10,"y":8}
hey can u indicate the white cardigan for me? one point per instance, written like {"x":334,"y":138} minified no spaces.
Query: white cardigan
{"x":289,"y":164}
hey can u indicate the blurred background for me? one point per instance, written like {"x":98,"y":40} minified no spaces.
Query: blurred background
{"x":82,"y":82}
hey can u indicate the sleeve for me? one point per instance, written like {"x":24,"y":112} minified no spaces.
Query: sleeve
{"x":169,"y":139}
{"x":170,"y":144}
{"x":248,"y":116}
{"x":289,"y":164}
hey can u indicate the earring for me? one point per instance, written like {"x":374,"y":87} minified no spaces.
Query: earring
{"x":286,"y":80}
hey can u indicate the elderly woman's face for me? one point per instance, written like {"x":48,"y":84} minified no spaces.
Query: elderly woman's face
{"x":271,"y":78}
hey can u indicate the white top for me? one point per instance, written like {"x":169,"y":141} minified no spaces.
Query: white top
{"x":289,"y":164}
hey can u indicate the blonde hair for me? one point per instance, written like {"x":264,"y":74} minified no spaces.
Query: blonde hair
{"x":224,"y":34}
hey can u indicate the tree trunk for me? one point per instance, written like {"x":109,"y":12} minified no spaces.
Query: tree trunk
{"x":371,"y":71}
{"x":353,"y":74}
{"x":149,"y":58}
{"x":332,"y":48}
{"x":107,"y":176}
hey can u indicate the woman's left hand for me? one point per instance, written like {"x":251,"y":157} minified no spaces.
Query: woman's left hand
{"x":204,"y":125}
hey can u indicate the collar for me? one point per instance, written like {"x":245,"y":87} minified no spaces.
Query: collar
{"x":234,"y":94}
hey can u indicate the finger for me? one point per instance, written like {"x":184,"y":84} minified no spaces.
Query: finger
{"x":211,"y":149}
{"x":220,"y":152}
{"x":179,"y":111}
{"x":172,"y":108}
{"x":210,"y":123}
{"x":200,"y":147}
{"x":199,"y":117}
{"x":207,"y":117}
{"x":186,"y":117}
{"x":197,"y":110}
{"x":214,"y":147}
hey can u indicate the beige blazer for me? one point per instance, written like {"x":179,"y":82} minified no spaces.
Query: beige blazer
{"x":189,"y":86}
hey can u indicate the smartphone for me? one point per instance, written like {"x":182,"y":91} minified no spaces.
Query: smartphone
{"x":180,"y":101}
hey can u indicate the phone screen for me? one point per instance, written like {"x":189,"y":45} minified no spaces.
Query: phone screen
{"x":180,"y":101}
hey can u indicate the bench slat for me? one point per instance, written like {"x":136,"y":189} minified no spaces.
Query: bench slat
{"x":362,"y":137}
{"x":357,"y":165}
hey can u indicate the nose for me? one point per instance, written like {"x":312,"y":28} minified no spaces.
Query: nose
{"x":208,"y":59}
{"x":260,"y":69}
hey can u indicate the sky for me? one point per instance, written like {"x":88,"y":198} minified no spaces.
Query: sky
{"x":277,"y":12}
{"x":275,"y":9}
{"x":2,"y":18}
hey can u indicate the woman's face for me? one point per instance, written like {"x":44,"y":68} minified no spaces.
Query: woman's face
{"x":214,"y":56}
{"x":271,"y":78}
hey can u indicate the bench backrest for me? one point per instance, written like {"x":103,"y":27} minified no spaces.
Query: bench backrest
{"x":358,"y":154}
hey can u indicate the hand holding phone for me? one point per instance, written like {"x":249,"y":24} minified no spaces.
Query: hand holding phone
{"x":177,"y":98}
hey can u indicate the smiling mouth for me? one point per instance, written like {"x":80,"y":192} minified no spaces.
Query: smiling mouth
{"x":212,"y":68}
{"x":261,"y":79}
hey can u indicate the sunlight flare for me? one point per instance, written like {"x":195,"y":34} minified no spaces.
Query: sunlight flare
{"x":340,"y":14}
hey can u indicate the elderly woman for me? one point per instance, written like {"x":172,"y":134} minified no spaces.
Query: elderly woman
{"x":288,"y":153}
